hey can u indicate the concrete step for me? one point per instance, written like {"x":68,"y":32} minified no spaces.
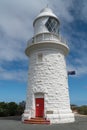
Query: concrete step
{"x":37,"y":121}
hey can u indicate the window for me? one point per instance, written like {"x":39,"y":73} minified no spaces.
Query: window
{"x":52,"y":25}
{"x":40,"y":57}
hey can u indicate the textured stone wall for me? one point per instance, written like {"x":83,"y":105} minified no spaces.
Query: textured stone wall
{"x":47,"y":73}
{"x":49,"y":76}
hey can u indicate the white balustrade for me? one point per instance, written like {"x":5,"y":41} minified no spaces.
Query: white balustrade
{"x":45,"y":37}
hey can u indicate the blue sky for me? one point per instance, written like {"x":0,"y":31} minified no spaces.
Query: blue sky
{"x":16,"y":27}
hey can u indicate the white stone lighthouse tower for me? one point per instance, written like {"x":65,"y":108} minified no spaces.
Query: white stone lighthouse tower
{"x":47,"y":93}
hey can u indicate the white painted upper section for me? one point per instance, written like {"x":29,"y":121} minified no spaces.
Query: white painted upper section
{"x":41,"y":19}
{"x":48,"y":79}
{"x":39,"y":26}
{"x":46,"y":12}
{"x":42,"y":33}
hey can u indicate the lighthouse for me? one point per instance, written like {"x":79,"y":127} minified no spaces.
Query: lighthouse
{"x":47,"y":91}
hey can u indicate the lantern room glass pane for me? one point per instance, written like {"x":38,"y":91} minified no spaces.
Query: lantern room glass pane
{"x":52,"y":25}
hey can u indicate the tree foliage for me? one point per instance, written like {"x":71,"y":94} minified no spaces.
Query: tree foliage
{"x":11,"y":108}
{"x":14,"y":109}
{"x":80,"y":109}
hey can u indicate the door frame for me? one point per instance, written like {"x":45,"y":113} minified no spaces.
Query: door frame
{"x":39,"y":95}
{"x":39,"y":104}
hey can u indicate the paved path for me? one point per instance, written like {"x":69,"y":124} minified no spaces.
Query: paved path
{"x":13,"y":124}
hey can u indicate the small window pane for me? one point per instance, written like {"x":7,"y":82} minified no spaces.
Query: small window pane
{"x":40,"y":56}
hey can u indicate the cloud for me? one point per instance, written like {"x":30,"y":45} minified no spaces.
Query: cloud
{"x":14,"y":21}
{"x":77,"y":59}
{"x":75,"y":33}
{"x":78,"y":10}
{"x":62,"y":7}
{"x":16,"y":17}
{"x":83,"y":11}
{"x":11,"y":50}
{"x":16,"y":27}
{"x":20,"y":75}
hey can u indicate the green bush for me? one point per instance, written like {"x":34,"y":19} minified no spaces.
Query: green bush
{"x":11,"y":108}
{"x":82,"y":110}
{"x":3,"y":109}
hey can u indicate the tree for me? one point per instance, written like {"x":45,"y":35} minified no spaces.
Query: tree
{"x":3,"y":109}
{"x":21,"y":107}
{"x":82,"y":110}
{"x":12,"y":108}
{"x":74,"y":107}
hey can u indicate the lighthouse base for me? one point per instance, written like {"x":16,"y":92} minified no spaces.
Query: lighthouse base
{"x":53,"y":118}
{"x":62,"y":118}
{"x":27,"y":115}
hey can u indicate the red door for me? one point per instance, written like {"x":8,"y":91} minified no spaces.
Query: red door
{"x":39,"y":107}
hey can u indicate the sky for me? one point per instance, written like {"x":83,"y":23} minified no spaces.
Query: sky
{"x":16,"y":28}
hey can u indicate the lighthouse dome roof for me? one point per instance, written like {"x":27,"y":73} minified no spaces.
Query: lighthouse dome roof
{"x":46,"y":12}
